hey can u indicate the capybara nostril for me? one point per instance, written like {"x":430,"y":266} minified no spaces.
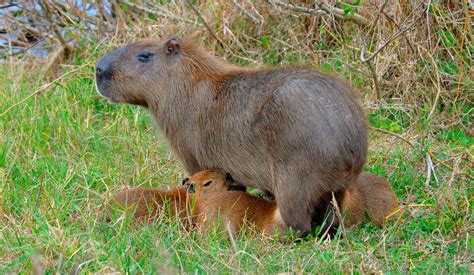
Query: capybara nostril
{"x":190,"y":187}
{"x":103,"y":67}
{"x":102,"y":70}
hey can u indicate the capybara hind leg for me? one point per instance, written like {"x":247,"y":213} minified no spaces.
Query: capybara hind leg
{"x":295,"y":210}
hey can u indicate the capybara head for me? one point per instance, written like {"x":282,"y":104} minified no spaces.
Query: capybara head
{"x":134,"y":73}
{"x":208,"y":181}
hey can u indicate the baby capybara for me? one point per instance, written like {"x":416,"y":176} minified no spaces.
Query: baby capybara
{"x":210,"y":196}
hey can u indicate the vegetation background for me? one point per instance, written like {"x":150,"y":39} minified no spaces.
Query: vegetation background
{"x":64,"y":149}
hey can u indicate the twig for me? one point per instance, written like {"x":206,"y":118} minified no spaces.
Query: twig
{"x":246,"y":13}
{"x":205,"y":24}
{"x":447,"y":165}
{"x":50,"y":12}
{"x":394,"y":36}
{"x":31,"y":46}
{"x":28,"y":27}
{"x":378,"y":14}
{"x":7,"y":6}
{"x":341,"y":222}
{"x":375,"y":78}
{"x":405,"y":207}
{"x":42,"y":88}
{"x":369,"y":64}
{"x":16,"y":43}
{"x":395,"y":135}
{"x":121,"y":23}
{"x":160,"y":13}
{"x":324,"y":9}
{"x":429,"y":169}
{"x":398,"y":26}
{"x":437,"y":84}
{"x":106,"y":17}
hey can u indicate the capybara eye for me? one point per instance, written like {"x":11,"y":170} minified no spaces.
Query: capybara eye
{"x":144,"y":57}
{"x":207,"y":183}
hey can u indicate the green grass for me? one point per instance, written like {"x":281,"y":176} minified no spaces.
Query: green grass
{"x":62,"y":153}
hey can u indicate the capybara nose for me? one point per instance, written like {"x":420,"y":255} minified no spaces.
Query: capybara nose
{"x":102,"y":70}
{"x":103,"y":67}
{"x":190,"y":187}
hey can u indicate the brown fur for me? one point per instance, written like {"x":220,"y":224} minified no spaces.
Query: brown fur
{"x":370,"y":199}
{"x":149,"y":203}
{"x":214,"y":202}
{"x":294,"y":133}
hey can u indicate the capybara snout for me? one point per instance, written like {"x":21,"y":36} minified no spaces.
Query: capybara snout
{"x":126,"y":74}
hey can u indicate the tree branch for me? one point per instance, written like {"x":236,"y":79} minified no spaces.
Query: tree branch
{"x":324,"y":9}
{"x":160,"y":13}
{"x":394,"y":36}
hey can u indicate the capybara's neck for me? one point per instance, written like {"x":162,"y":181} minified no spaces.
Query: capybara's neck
{"x":189,"y":81}
{"x":200,"y":65}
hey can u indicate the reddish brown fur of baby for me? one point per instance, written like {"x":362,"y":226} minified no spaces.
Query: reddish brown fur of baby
{"x":371,"y":197}
{"x":148,"y":204}
{"x":233,"y":209}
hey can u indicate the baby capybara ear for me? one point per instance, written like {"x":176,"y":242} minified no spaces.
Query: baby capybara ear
{"x":228,"y":177}
{"x":172,"y":46}
{"x":232,"y":185}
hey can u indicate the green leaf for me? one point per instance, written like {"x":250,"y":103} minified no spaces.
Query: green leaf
{"x":265,"y":41}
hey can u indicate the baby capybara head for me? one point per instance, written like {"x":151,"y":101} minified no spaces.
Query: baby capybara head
{"x":135,"y":73}
{"x":208,"y":181}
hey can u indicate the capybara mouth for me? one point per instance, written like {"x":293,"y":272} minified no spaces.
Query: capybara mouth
{"x":103,"y":75}
{"x":102,"y":86}
{"x":100,"y":90}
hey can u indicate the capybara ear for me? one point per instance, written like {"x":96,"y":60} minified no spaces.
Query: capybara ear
{"x":228,"y":177}
{"x":172,"y":46}
{"x":232,"y":185}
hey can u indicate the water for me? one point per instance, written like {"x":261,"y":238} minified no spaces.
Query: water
{"x":16,"y":21}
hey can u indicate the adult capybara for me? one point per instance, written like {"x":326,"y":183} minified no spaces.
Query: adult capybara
{"x":294,"y":132}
